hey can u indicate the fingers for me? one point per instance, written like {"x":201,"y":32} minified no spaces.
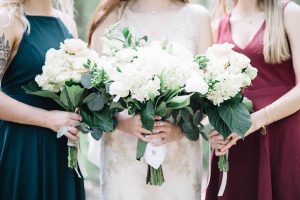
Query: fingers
{"x":142,"y":137}
{"x":73,"y":130}
{"x":144,"y":131}
{"x":72,"y":137}
{"x":157,"y":117}
{"x":157,"y":136}
{"x":229,"y":145}
{"x":213,"y":133}
{"x":75,"y":116}
{"x":220,"y":153}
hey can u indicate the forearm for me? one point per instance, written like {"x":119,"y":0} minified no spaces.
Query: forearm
{"x":15,"y":111}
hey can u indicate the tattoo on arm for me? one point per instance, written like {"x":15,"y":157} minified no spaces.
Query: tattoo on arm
{"x":4,"y":54}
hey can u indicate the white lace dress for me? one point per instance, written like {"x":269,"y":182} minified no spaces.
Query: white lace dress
{"x":123,"y":177}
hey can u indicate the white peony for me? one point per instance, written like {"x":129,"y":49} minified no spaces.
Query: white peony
{"x":251,"y":72}
{"x":74,"y":46}
{"x":126,"y":55}
{"x":119,"y":90}
{"x":196,"y":84}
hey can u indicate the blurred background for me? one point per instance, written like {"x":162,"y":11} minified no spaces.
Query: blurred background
{"x":85,"y":10}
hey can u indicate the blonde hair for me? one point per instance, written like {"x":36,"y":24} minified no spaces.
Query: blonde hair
{"x":104,"y":8}
{"x":276,"y":46}
{"x":16,"y":10}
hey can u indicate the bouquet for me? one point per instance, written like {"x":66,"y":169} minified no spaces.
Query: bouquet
{"x":227,"y":73}
{"x":64,"y":81}
{"x":150,"y":79}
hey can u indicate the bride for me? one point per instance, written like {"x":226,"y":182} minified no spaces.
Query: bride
{"x":122,"y":176}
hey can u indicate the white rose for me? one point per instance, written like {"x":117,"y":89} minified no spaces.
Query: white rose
{"x":119,"y":90}
{"x":74,"y":46}
{"x":252,"y":72}
{"x":221,"y":49}
{"x":126,"y":55}
{"x":196,"y":84}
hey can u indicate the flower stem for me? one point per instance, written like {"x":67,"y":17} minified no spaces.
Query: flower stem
{"x":155,"y":176}
{"x":72,"y":157}
{"x":223,"y":163}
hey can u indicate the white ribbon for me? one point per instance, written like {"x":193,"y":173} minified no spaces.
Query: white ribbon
{"x":155,"y":155}
{"x":209,"y":168}
{"x":80,"y":162}
{"x":224,"y":182}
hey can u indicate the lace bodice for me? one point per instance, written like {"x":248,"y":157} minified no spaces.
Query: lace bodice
{"x":177,"y":26}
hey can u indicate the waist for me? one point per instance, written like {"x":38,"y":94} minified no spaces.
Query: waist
{"x":262,"y":97}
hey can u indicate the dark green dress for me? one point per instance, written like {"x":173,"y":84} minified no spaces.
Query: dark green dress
{"x":33,"y":162}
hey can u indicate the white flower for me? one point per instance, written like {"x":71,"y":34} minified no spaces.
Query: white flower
{"x":74,"y":46}
{"x":119,"y":90}
{"x":220,"y":49}
{"x":252,"y":72}
{"x":126,"y":55}
{"x":196,"y":84}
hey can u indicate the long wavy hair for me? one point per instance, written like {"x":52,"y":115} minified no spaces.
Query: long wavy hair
{"x":276,"y":46}
{"x":104,"y":8}
{"x":17,"y":10}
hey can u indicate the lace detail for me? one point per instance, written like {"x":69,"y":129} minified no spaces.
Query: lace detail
{"x":179,"y":30}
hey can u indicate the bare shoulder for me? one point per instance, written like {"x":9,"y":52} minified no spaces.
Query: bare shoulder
{"x":291,"y":14}
{"x":69,"y":22}
{"x":10,"y":26}
{"x":198,"y":11}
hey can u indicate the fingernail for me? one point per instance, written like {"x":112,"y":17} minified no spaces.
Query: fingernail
{"x":155,"y":131}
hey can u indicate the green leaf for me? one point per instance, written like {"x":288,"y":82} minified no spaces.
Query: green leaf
{"x":236,"y":117}
{"x":96,"y":133}
{"x":89,"y":98}
{"x":179,"y":102}
{"x":248,"y":104}
{"x":141,"y":148}
{"x":86,"y":81}
{"x":64,"y":99}
{"x":76,"y":95}
{"x":97,"y":103}
{"x":34,"y":89}
{"x":190,"y":131}
{"x":161,"y":110}
{"x":147,"y":116}
{"x":116,"y":105}
{"x":101,"y":119}
{"x":217,"y":122}
{"x":83,"y":127}
{"x":198,"y":116}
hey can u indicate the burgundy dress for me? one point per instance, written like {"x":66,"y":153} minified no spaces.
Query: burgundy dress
{"x":262,"y":167}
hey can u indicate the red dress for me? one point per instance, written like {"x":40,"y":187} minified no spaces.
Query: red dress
{"x":262,"y":167}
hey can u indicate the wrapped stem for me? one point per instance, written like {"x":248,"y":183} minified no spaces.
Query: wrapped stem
{"x":155,"y":176}
{"x":223,"y":163}
{"x":72,"y":157}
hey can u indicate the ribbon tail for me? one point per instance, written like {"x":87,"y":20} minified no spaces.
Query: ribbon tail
{"x":209,"y":169}
{"x":81,"y":165}
{"x":223,"y":184}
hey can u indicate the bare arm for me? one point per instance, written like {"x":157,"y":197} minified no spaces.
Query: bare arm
{"x":289,"y":103}
{"x":15,"y":111}
{"x":203,"y":26}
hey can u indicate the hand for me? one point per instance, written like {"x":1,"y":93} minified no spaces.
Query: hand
{"x":133,"y":126}
{"x":165,"y":132}
{"x":59,"y":119}
{"x":217,"y":142}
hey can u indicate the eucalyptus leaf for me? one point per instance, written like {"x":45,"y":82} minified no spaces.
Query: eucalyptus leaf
{"x":248,"y":104}
{"x":97,"y":103}
{"x":96,"y":133}
{"x":86,"y":81}
{"x":64,"y":99}
{"x":198,"y":116}
{"x":190,"y":132}
{"x":62,"y":131}
{"x":89,"y":98}
{"x":147,"y":116}
{"x":84,"y":128}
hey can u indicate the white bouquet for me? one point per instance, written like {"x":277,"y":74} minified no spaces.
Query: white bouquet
{"x":227,"y":74}
{"x":63,"y":80}
{"x":150,"y":79}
